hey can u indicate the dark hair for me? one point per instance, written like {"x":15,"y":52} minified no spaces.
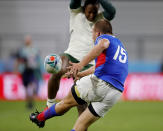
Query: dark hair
{"x":104,"y":26}
{"x":92,"y":2}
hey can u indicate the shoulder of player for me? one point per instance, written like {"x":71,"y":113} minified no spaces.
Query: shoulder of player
{"x":77,"y":14}
{"x":104,"y":43}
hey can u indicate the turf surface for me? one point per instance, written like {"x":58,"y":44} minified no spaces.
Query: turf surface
{"x":124,"y":116}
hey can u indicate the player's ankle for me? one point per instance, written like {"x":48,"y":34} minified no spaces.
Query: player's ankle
{"x":50,"y":102}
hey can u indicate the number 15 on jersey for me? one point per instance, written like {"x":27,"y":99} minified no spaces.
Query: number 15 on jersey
{"x":120,"y":55}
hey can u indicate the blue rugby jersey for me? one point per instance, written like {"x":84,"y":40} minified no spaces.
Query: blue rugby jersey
{"x":112,"y":63}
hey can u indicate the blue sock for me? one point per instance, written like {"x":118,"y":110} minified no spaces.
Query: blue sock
{"x":72,"y":130}
{"x":50,"y":112}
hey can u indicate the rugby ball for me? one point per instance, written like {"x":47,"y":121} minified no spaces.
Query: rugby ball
{"x":53,"y":63}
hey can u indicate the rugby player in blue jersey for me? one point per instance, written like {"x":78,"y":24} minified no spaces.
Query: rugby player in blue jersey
{"x":102,"y":88}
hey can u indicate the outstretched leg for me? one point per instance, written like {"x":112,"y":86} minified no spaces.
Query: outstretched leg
{"x":55,"y":110}
{"x":67,"y":103}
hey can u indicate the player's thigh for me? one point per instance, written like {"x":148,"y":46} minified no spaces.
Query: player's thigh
{"x":91,"y":89}
{"x":102,"y":107}
{"x":84,"y":89}
{"x":85,"y":120}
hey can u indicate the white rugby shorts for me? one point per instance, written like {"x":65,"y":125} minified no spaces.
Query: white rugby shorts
{"x":99,"y":93}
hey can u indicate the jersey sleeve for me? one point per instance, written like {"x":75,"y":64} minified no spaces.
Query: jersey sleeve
{"x":109,"y":10}
{"x":73,"y":14}
{"x":74,"y":4}
{"x":75,"y":8}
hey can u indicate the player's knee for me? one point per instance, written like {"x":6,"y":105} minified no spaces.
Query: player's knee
{"x":64,"y":106}
{"x":69,"y":101}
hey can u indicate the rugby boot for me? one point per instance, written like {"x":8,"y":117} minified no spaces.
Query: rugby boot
{"x":33,"y":118}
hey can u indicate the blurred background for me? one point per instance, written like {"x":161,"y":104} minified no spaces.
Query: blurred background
{"x":45,"y":23}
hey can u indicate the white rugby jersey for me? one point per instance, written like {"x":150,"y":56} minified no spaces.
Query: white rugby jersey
{"x":81,"y":41}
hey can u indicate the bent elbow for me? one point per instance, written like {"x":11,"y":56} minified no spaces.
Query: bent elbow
{"x":110,"y":16}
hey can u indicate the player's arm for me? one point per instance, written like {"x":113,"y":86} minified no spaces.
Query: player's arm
{"x":74,"y":4}
{"x":109,"y":9}
{"x":95,"y":52}
{"x":86,"y":72}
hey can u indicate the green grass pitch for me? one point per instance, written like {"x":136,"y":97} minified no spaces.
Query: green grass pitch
{"x":124,"y":116}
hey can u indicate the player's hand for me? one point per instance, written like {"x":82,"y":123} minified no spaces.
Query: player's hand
{"x":78,"y":76}
{"x":74,"y":68}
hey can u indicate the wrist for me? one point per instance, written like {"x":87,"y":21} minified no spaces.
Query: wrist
{"x":80,"y":74}
{"x":81,"y":64}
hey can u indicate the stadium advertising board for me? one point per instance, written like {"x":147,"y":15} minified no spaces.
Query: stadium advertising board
{"x":144,"y":87}
{"x":137,"y":87}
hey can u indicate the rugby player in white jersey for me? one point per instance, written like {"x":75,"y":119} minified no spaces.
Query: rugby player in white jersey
{"x":82,"y":19}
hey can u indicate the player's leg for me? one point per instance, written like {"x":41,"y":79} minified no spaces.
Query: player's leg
{"x":81,"y":108}
{"x":63,"y":106}
{"x":54,"y":81}
{"x":72,"y":99}
{"x":27,"y":77}
{"x":55,"y":110}
{"x":67,"y":103}
{"x":97,"y":109}
{"x":83,"y":87}
{"x":85,"y":120}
